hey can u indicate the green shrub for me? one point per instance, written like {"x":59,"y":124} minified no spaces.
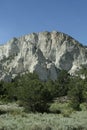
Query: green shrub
{"x":75,"y":92}
{"x":33,"y":94}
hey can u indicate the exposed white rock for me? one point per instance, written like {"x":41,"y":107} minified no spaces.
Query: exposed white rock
{"x":44,"y":53}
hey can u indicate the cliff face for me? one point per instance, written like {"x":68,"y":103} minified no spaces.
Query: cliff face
{"x":45,"y":53}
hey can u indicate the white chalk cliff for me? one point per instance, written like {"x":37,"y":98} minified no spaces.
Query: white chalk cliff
{"x":44,"y":53}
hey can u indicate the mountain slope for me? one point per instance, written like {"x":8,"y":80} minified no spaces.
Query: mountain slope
{"x":44,"y":53}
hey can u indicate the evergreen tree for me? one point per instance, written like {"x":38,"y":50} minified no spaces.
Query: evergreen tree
{"x":34,"y":95}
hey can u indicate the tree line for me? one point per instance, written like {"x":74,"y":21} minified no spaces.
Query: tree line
{"x":36,"y":95}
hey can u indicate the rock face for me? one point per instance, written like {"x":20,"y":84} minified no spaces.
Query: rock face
{"x":45,"y":53}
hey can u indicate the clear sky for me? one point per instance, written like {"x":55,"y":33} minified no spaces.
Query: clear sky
{"x":19,"y":17}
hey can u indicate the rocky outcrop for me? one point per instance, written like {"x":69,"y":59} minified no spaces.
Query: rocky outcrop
{"x":45,"y":53}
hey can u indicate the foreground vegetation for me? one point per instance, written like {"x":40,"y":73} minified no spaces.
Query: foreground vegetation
{"x":36,"y":95}
{"x":17,"y":119}
{"x":77,"y":121}
{"x":48,"y":105}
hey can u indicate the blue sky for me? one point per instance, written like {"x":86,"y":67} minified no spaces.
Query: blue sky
{"x":20,"y":17}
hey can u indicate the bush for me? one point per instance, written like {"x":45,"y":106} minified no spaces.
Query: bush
{"x":61,"y":84}
{"x":75,"y":92}
{"x":33,"y":94}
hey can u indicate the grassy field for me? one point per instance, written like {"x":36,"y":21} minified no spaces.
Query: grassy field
{"x":12,"y":117}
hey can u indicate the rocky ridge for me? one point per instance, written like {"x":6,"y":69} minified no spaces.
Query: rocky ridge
{"x":44,"y":53}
